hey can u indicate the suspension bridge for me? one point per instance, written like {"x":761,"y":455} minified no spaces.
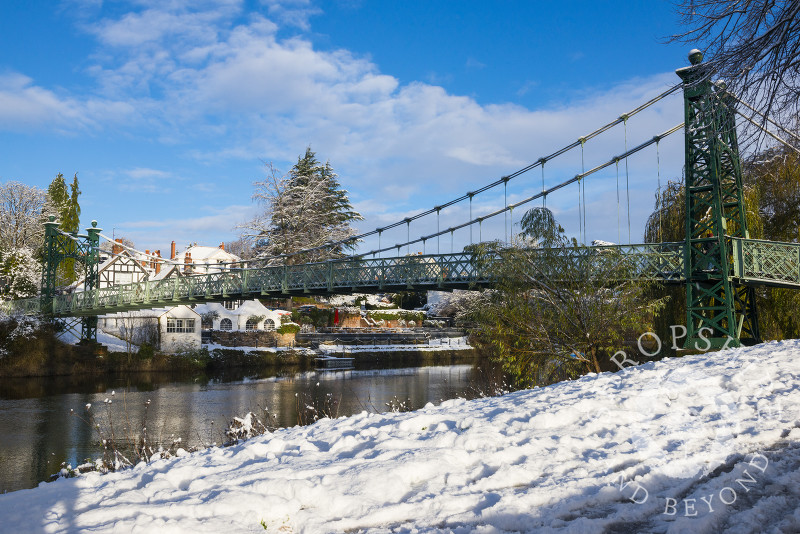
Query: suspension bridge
{"x":718,"y":263}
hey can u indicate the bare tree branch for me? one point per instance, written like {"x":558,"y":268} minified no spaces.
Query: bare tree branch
{"x":754,"y":46}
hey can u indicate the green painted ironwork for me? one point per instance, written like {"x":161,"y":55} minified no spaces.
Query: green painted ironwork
{"x":659,"y":261}
{"x":769,"y":263}
{"x":60,"y":246}
{"x":719,"y":306}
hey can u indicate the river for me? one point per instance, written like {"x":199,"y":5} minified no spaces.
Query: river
{"x":44,"y":421}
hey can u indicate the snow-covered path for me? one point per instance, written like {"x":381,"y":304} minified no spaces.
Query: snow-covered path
{"x":658,"y":448}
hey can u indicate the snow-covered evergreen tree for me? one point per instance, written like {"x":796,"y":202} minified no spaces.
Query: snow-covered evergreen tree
{"x":20,"y":274}
{"x":305,"y":209}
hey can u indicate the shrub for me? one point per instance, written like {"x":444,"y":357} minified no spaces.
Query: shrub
{"x":146,"y":351}
{"x":288,"y":328}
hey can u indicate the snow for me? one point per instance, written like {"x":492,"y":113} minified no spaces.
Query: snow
{"x":379,"y":300}
{"x":433,"y":345}
{"x":661,"y":447}
{"x":241,"y":348}
{"x":112,"y":343}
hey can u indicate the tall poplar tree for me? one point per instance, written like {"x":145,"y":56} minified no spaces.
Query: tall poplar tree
{"x":64,"y":203}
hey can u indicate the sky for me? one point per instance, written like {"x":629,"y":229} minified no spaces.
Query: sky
{"x":169,"y":110}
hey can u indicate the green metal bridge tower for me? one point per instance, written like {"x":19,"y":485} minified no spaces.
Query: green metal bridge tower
{"x":719,"y":307}
{"x":59,"y":246}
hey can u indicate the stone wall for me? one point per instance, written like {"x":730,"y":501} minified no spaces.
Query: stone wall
{"x":258,"y":338}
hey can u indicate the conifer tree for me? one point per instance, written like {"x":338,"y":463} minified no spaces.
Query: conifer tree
{"x":66,"y":208}
{"x":305,"y":209}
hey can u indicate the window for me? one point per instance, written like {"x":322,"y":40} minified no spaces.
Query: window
{"x":180,"y":326}
{"x":231,"y":304}
{"x":225,"y":324}
{"x":269,"y":324}
{"x":250,"y":325}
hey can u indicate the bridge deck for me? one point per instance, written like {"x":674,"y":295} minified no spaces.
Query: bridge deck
{"x":754,"y":263}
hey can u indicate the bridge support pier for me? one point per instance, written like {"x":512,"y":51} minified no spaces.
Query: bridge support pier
{"x":720,"y":311}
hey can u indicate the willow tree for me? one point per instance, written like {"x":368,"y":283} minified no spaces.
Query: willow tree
{"x":558,"y":309}
{"x":667,"y":224}
{"x":775,"y":174}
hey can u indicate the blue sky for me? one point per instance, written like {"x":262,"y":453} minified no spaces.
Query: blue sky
{"x":167,"y":110}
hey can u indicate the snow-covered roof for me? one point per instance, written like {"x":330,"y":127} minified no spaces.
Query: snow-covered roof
{"x":148,"y":313}
{"x":204,"y":254}
{"x":166,"y":272}
{"x":248,"y":307}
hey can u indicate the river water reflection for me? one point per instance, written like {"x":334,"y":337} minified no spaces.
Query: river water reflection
{"x":37,"y":432}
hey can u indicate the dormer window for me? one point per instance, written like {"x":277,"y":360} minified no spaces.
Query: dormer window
{"x":231,"y":304}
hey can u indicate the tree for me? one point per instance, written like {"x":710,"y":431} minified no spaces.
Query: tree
{"x":64,"y":203}
{"x":22,"y":216}
{"x":558,"y":309}
{"x":772,"y":202}
{"x":754,"y":45}
{"x":242,"y":248}
{"x":775,"y":173}
{"x":20,"y":273}
{"x":137,"y":330}
{"x":305,"y":209}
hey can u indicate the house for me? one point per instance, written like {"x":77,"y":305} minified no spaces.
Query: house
{"x":199,"y":259}
{"x":170,"y":330}
{"x":240,"y":316}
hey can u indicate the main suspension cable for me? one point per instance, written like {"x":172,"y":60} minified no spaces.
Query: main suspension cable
{"x":549,"y":191}
{"x":489,"y":186}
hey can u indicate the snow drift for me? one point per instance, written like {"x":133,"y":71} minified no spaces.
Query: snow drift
{"x":703,"y":443}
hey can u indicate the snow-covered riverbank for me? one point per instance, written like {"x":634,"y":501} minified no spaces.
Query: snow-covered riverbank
{"x":704,"y":443}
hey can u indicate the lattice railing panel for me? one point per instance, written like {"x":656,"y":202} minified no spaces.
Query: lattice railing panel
{"x":769,"y":262}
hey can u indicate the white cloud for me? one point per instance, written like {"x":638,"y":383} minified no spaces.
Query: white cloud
{"x":292,"y":12}
{"x":144,"y":173}
{"x":24,"y":105}
{"x":227,"y":87}
{"x":205,"y":221}
{"x":473,"y":63}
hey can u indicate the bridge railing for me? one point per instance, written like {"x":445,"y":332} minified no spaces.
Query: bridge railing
{"x":660,"y":261}
{"x":30,"y":306}
{"x":770,"y":262}
{"x":657,"y":262}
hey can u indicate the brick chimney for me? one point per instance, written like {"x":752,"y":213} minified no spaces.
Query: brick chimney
{"x":116,"y":248}
{"x":172,"y":251}
{"x":222,"y":246}
{"x":146,"y":259}
{"x":187,"y":263}
{"x":158,"y":262}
